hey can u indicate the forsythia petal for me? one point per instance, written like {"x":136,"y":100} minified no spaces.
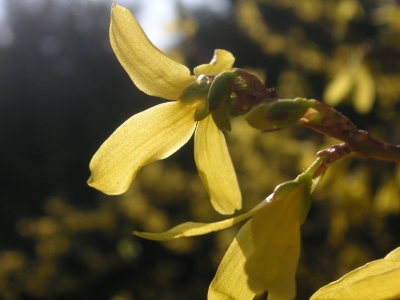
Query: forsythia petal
{"x":150,"y":69}
{"x":222,"y":61}
{"x":394,"y":255}
{"x":192,"y":229}
{"x":215,"y":167}
{"x":276,"y":235}
{"x":230,"y":282}
{"x":151,"y":135}
{"x":264,"y":254}
{"x":379,"y":279}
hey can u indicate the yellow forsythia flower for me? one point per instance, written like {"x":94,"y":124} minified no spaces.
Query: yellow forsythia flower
{"x":267,"y":248}
{"x":353,"y":78}
{"x":158,"y":132}
{"x":264,"y":254}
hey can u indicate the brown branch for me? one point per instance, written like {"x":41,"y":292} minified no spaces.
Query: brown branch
{"x":248,"y":92}
{"x":328,"y":121}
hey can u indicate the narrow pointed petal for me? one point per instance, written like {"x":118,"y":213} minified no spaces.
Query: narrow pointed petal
{"x":275,"y":229}
{"x":150,"y":69}
{"x":222,"y":61}
{"x":379,"y":279}
{"x":215,"y":167}
{"x":230,"y":282}
{"x":192,"y":229}
{"x":151,"y":135}
{"x":264,"y":254}
{"x":276,"y":234}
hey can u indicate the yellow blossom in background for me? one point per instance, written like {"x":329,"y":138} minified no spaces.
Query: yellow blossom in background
{"x":379,"y":279}
{"x":353,"y":78}
{"x":158,"y":132}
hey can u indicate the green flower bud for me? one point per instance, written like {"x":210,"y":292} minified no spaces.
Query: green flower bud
{"x":277,"y":114}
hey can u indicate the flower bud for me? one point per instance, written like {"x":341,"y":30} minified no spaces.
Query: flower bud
{"x":277,"y":114}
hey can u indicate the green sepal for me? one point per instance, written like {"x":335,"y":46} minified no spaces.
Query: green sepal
{"x":218,"y":99}
{"x":221,"y":117}
{"x":307,"y":182}
{"x":196,"y":91}
{"x":220,"y":89}
{"x":201,"y":111}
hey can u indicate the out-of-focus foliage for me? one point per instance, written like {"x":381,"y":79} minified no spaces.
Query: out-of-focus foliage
{"x":59,"y":105}
{"x":77,"y":251}
{"x":351,"y":40}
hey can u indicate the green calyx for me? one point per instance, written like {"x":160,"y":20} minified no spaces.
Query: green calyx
{"x":196,"y":91}
{"x":219,"y":97}
{"x":234,"y":92}
{"x":211,"y":94}
{"x":196,"y":94}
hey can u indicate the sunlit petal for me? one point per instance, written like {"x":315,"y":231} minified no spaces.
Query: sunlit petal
{"x":379,"y":279}
{"x":222,"y":61}
{"x":394,"y":255}
{"x":276,"y":235}
{"x":148,"y":136}
{"x":149,"y":68}
{"x":192,"y":229}
{"x":215,"y":167}
{"x":230,"y":282}
{"x":264,"y":254}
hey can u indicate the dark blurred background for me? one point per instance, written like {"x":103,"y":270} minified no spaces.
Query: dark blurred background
{"x":63,"y":92}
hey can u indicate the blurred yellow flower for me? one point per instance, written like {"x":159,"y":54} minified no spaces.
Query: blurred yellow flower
{"x":158,"y":132}
{"x":353,"y":78}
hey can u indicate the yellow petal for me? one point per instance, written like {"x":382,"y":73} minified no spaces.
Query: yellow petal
{"x":151,"y":135}
{"x":230,"y":282}
{"x":394,"y":255}
{"x":215,"y":167}
{"x":276,"y":236}
{"x":264,"y":254}
{"x":379,"y":279}
{"x":192,"y":229}
{"x":222,"y":61}
{"x":149,"y":68}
